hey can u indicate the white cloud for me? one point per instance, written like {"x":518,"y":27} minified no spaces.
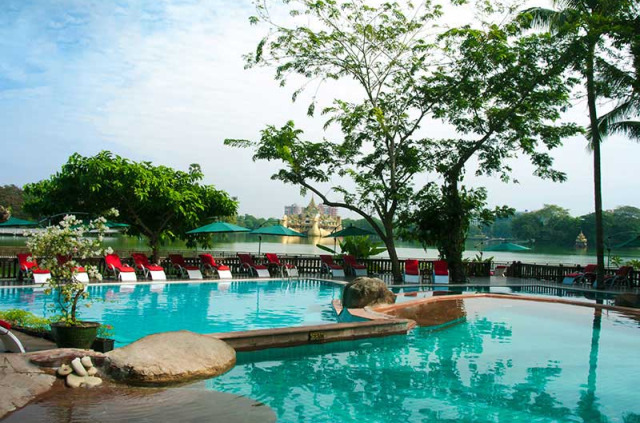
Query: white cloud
{"x":168,"y":84}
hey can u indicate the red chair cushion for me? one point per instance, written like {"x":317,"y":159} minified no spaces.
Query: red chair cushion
{"x":222,"y":267}
{"x":259,"y":267}
{"x":440,"y":268}
{"x":573,"y":275}
{"x":5,"y":325}
{"x":40,"y":271}
{"x":411,"y":267}
{"x":124,"y":268}
{"x":358,"y":266}
{"x":191,"y":267}
{"x":154,"y":267}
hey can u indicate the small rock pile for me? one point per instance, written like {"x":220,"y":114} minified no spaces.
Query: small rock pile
{"x":79,"y":373}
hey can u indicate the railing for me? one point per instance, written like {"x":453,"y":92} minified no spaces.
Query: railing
{"x":311,"y":265}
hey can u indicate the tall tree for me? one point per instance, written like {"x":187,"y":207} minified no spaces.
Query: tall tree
{"x":158,"y":202}
{"x":503,"y":93}
{"x":11,"y":196}
{"x":384,"y":50}
{"x":591,"y":29}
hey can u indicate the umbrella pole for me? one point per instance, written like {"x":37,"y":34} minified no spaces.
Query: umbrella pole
{"x":259,"y":244}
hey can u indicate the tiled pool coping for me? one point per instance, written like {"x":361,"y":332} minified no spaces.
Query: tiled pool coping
{"x":253,"y":340}
{"x":430,"y":300}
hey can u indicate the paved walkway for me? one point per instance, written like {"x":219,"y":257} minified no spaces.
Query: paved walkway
{"x":20,"y":382}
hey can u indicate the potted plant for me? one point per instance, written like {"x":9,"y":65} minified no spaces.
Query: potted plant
{"x":55,"y":249}
{"x":104,"y":342}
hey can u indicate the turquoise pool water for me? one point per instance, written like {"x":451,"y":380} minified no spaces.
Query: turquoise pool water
{"x":141,"y":310}
{"x":508,"y":361}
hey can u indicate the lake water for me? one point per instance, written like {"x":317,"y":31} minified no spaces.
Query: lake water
{"x":307,"y":246}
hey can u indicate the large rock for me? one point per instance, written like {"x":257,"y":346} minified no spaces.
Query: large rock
{"x":170,"y":357}
{"x":366,"y":292}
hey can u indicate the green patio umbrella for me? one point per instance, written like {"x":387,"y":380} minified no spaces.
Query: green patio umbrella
{"x":275,"y":230}
{"x":350,"y":231}
{"x":218,"y":228}
{"x":632,"y":243}
{"x":116,"y":225}
{"x":14,"y":222}
{"x":507,"y":246}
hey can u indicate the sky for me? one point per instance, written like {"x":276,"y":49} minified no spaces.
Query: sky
{"x":164,"y":81}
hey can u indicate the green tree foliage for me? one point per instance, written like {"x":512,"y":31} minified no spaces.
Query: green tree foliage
{"x":158,"y":202}
{"x":11,"y":197}
{"x":551,"y":225}
{"x":503,"y":93}
{"x":500,"y":228}
{"x":252,"y":222}
{"x":599,"y":39}
{"x":5,"y":214}
{"x":384,"y":50}
{"x":619,"y":225}
{"x":438,"y":211}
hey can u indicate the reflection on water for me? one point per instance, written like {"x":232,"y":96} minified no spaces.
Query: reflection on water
{"x":510,"y":362}
{"x":432,"y":314}
{"x":122,"y":404}
{"x":140,"y":310}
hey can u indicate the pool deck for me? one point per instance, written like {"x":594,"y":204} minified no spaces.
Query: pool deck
{"x":497,"y":281}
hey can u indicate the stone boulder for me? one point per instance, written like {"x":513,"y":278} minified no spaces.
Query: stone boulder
{"x":366,"y":292}
{"x":170,"y":358}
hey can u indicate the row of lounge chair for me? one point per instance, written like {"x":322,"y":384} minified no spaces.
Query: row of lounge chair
{"x":143,"y":267}
{"x":123,"y":272}
{"x":412,"y":273}
{"x":208,"y":265}
{"x":588,"y":277}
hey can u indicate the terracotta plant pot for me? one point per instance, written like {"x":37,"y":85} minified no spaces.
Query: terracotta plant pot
{"x":80,"y":336}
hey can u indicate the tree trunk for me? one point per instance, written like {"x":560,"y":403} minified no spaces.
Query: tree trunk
{"x":154,"y":243}
{"x":390,"y":243}
{"x":597,"y":180}
{"x":453,"y":245}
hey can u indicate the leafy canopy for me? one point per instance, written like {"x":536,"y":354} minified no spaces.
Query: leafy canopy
{"x":157,"y":201}
{"x":385,"y":52}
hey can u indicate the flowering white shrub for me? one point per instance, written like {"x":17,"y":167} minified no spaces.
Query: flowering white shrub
{"x":56,"y":248}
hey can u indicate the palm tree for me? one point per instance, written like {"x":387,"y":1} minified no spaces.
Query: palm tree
{"x":587,"y":31}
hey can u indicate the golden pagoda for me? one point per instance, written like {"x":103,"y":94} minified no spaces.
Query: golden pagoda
{"x":581,"y":241}
{"x":313,"y":221}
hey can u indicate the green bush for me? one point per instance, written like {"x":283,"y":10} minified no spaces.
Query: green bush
{"x":25,"y":319}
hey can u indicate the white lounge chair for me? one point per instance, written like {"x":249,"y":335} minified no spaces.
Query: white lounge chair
{"x":8,"y":341}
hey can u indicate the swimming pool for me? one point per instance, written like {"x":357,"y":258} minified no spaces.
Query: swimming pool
{"x":139,"y":310}
{"x":508,"y":361}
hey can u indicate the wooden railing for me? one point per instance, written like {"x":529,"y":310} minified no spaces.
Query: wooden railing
{"x":311,"y":265}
